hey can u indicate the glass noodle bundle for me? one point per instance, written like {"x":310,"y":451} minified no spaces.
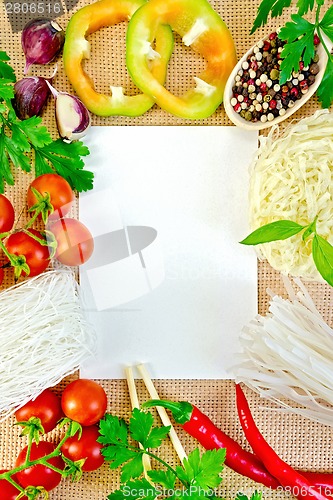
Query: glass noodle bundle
{"x":287,"y":356}
{"x":43,"y":336}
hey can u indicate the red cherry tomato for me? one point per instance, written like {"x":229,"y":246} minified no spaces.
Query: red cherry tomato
{"x":75,"y":242}
{"x":39,"y":475}
{"x":7,"y":490}
{"x":7,"y":214}
{"x":61,"y":194}
{"x":84,"y":401}
{"x":87,"y":447}
{"x":37,"y":256}
{"x":46,"y":406}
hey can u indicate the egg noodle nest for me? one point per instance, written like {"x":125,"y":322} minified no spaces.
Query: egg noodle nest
{"x":291,"y":178}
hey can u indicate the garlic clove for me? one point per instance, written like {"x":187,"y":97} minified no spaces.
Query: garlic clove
{"x":42,"y":40}
{"x":73,"y":118}
{"x":31,"y":94}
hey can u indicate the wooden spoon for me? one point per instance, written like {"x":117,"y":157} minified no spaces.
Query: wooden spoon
{"x":241,"y":122}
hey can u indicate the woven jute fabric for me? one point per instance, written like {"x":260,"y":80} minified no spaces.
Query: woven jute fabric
{"x":301,"y":443}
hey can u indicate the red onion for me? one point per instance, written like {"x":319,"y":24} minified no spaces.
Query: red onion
{"x":31,"y":94}
{"x":42,"y":40}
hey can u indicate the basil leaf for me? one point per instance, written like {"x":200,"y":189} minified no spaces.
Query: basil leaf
{"x":322,"y":253}
{"x":278,"y":230}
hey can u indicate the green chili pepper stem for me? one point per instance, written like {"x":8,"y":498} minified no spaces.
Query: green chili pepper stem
{"x":181,"y":411}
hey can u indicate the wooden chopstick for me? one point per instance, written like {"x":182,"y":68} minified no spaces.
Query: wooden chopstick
{"x":135,"y":404}
{"x":162,"y":412}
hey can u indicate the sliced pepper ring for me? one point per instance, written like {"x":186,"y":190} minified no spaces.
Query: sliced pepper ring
{"x":201,"y":28}
{"x":91,"y":18}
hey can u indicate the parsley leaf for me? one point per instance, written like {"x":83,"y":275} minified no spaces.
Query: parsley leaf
{"x":15,"y":154}
{"x":36,"y":133}
{"x":300,"y":45}
{"x":325,"y":89}
{"x":65,"y":159}
{"x":326,"y":24}
{"x":141,"y":428}
{"x":5,"y":172}
{"x":304,"y":6}
{"x":273,"y":7}
{"x":118,"y":455}
{"x":132,"y":469}
{"x":165,"y":478}
{"x":203,"y":471}
{"x":6,"y":71}
{"x":113,"y":430}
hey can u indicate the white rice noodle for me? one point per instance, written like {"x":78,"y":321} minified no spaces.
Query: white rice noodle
{"x":288,"y":355}
{"x":43,"y":337}
{"x":292,"y":178}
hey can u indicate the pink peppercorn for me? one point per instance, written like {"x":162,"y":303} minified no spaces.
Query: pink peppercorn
{"x":266,"y":46}
{"x":237,"y":107}
{"x":272,"y":103}
{"x":301,"y":65}
{"x":263,"y":87}
{"x":316,"y":40}
{"x":294,"y":91}
{"x":254,"y":65}
{"x":304,"y":86}
{"x":272,"y":36}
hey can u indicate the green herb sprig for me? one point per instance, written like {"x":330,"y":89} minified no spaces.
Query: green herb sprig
{"x":299,"y":35}
{"x":322,"y":250}
{"x":196,"y":478}
{"x":23,"y":142}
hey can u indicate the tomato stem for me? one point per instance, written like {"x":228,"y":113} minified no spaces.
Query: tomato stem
{"x":27,"y":458}
{"x":39,"y":461}
{"x":11,"y":481}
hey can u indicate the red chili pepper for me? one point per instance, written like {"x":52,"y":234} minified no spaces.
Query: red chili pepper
{"x":199,"y":426}
{"x":289,"y":478}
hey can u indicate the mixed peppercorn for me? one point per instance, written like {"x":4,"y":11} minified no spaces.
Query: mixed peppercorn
{"x":257,"y":94}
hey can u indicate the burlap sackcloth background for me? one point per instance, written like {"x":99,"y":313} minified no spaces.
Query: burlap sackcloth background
{"x":300,"y":442}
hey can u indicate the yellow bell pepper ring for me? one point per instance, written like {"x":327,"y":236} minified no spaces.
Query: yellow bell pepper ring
{"x":201,"y":28}
{"x":91,"y":18}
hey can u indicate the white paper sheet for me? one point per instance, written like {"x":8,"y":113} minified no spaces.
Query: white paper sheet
{"x":168,"y":285}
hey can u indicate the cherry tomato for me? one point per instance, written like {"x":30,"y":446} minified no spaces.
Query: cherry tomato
{"x":87,"y":447}
{"x":46,"y":406}
{"x":37,"y":256}
{"x":61,"y":194}
{"x":7,"y":490}
{"x":84,"y":401}
{"x":75,"y":242}
{"x":39,"y":475}
{"x":7,"y":214}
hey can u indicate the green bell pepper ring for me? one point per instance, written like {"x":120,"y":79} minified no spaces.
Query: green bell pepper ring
{"x":91,"y":18}
{"x":201,"y":28}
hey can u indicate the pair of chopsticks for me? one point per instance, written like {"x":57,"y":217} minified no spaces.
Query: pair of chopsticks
{"x":161,"y":411}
